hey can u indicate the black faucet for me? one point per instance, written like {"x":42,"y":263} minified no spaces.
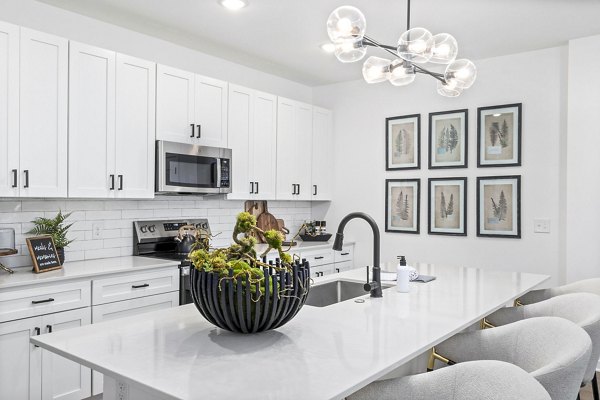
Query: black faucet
{"x":375,"y":286}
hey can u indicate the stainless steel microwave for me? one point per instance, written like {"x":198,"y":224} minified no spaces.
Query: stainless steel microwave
{"x":188,"y":168}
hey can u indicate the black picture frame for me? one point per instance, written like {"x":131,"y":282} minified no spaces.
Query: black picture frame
{"x":461,"y":230}
{"x":433,"y":164}
{"x":389,"y":143}
{"x":515,"y":209}
{"x":415,"y":184}
{"x":516,"y":137}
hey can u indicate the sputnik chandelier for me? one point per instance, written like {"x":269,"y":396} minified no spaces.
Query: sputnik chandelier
{"x":346,"y":27}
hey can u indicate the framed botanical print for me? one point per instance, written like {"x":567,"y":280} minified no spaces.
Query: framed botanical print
{"x":448,"y":139}
{"x":499,"y":136}
{"x":447,"y":206}
{"x":499,"y":206}
{"x":403,"y":142}
{"x":402,"y":205}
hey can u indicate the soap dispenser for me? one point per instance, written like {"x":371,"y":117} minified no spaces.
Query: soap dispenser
{"x":403,"y":275}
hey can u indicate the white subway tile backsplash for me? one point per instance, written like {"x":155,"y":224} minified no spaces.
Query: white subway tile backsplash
{"x":115,"y":219}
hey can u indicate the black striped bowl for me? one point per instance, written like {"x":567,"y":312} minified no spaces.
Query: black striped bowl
{"x":231,"y":303}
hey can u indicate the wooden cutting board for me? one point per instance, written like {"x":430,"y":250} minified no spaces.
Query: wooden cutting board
{"x":266,"y":220}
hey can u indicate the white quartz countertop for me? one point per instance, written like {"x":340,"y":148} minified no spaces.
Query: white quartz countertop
{"x":83,"y":269}
{"x":323,"y":353}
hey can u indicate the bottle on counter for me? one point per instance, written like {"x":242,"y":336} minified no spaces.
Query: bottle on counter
{"x":403,"y":275}
{"x":323,"y":227}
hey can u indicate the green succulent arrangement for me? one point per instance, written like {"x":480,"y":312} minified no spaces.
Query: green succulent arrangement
{"x":54,"y":227}
{"x":241,"y":257}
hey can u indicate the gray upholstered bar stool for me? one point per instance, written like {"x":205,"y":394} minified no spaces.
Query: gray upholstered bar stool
{"x":476,"y":380}
{"x":580,"y":308}
{"x":553,"y":350}
{"x":584,"y":286}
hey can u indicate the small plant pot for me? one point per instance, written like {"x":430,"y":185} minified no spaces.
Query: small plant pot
{"x":233,"y":303}
{"x":61,"y":255}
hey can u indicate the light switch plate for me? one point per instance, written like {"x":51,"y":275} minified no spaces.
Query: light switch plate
{"x":541,"y":225}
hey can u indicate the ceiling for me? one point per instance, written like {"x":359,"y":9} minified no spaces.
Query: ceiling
{"x":282,"y":37}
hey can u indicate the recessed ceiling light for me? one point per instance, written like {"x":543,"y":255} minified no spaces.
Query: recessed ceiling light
{"x":233,"y":4}
{"x":328,"y":47}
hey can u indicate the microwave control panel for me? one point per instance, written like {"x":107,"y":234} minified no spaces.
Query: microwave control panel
{"x":225,"y":172}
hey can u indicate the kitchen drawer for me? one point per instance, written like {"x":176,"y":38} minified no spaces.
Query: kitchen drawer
{"x":131,"y":286}
{"x":41,"y":300}
{"x":347,"y":254}
{"x":322,"y":270}
{"x":127,"y":308}
{"x":318,"y":257}
{"x":343,"y":266}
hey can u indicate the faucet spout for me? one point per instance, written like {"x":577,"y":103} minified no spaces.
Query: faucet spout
{"x":375,"y":286}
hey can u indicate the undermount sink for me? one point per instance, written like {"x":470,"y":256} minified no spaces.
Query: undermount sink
{"x":335,"y":292}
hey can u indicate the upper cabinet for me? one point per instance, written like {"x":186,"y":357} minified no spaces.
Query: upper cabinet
{"x":190,"y":108}
{"x":322,"y":154}
{"x":253,"y":140}
{"x":111,"y":124}
{"x":294,"y":147}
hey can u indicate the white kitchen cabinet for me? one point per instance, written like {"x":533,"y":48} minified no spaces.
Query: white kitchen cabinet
{"x":190,"y":108}
{"x":135,"y":127}
{"x":294,"y":146}
{"x":252,"y":138}
{"x":43,"y":114}
{"x":91,"y":121}
{"x":9,"y":110}
{"x":111,"y":124}
{"x":322,"y":154}
{"x":28,"y":372}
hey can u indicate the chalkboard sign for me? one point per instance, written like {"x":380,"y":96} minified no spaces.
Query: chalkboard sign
{"x":43,"y":254}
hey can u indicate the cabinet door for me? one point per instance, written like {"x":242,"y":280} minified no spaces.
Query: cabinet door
{"x":211,"y":112}
{"x":175,"y":105}
{"x":240,"y":116}
{"x":61,"y":378}
{"x":135,"y":100}
{"x":287,"y":153}
{"x":20,"y":361}
{"x":43,"y":114}
{"x":303,"y":135}
{"x":263,"y":149}
{"x":91,"y":121}
{"x":322,"y":154}
{"x":9,"y":110}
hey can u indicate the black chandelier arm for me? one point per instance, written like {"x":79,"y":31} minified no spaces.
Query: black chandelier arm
{"x":436,"y":75}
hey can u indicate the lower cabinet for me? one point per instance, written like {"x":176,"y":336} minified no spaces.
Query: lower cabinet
{"x":128,"y":308}
{"x":49,"y":375}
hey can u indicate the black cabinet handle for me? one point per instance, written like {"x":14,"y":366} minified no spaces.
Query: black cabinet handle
{"x":42,"y":301}
{"x":112,"y":182}
{"x":15,"y":173}
{"x":345,"y":254}
{"x":199,"y":131}
{"x":319,"y":258}
{"x":49,"y":328}
{"x":298,"y":189}
{"x":315,"y":192}
{"x":256,"y":188}
{"x":192,"y":135}
{"x":26,"y":185}
{"x":251,"y":187}
{"x":140,"y":286}
{"x":120,"y":182}
{"x":337,"y":270}
{"x":38,"y":331}
{"x":293,"y":188}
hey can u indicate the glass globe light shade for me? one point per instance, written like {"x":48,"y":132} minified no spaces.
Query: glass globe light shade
{"x":448,"y":89}
{"x":346,"y":22}
{"x":376,"y":69}
{"x":401,"y":73}
{"x":445,"y":49}
{"x":350,"y":50}
{"x":462,"y":72}
{"x":416,"y":45}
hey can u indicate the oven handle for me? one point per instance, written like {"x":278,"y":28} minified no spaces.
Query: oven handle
{"x":218,"y":169}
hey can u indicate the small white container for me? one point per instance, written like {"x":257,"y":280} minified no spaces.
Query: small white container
{"x":403,"y":278}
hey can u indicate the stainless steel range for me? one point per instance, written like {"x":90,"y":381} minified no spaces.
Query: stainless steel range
{"x":157,"y":239}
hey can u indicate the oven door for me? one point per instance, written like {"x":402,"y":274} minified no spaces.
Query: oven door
{"x":186,"y":168}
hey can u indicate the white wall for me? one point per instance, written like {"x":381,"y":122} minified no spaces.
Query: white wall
{"x":45,"y":18}
{"x":583,"y":168}
{"x":536,"y":79}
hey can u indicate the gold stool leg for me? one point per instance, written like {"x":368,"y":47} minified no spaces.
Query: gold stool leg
{"x":486,"y":324}
{"x":435,"y":356}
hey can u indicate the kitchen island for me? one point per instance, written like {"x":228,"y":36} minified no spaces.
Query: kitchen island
{"x":323,"y":353}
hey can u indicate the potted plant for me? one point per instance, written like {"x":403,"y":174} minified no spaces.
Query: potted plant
{"x":56,"y":228}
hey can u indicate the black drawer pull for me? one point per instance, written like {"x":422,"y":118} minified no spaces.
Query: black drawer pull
{"x":345,"y":254}
{"x":319,"y":258}
{"x":140,"y":286}
{"x":14,"y":172}
{"x":120,"y":182}
{"x":199,"y":131}
{"x":49,"y":328}
{"x":192,"y":125}
{"x":26,"y":172}
{"x":337,"y":270}
{"x":112,"y":182}
{"x":42,"y":301}
{"x":37,"y":333}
